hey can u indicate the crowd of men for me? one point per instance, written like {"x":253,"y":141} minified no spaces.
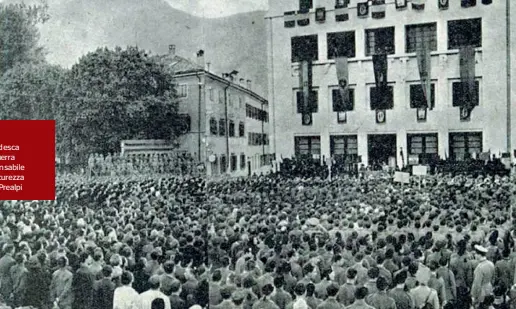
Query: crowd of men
{"x":138,"y":242}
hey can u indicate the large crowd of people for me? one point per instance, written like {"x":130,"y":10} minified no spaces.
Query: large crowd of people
{"x":150,"y":242}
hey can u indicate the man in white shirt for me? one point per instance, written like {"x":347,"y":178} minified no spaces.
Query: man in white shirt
{"x":126,"y":297}
{"x":146,"y":298}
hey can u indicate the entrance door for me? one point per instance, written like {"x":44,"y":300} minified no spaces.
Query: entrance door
{"x":380,"y":148}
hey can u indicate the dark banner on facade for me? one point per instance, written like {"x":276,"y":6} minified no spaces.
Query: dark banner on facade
{"x":341,"y":10}
{"x":341,"y":64}
{"x":290,"y":19}
{"x":363,"y":9}
{"x":443,"y":4}
{"x":418,"y":4}
{"x":378,"y":9}
{"x":467,"y":76}
{"x":424,"y":65}
{"x":305,"y":83}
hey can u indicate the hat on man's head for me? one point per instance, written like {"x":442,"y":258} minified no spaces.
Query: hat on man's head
{"x":480,"y":249}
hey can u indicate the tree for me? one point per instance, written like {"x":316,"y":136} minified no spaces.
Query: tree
{"x":31,"y":91}
{"x":19,"y":35}
{"x":112,"y":95}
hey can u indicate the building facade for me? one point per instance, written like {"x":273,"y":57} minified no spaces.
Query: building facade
{"x":358,"y":134}
{"x":228,"y":123}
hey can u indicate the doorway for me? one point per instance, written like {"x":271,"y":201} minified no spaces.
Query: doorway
{"x":380,"y":148}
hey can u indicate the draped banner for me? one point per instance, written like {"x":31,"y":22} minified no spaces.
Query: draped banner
{"x":380,"y":76}
{"x":341,"y":10}
{"x":290,"y":19}
{"x":378,"y":9}
{"x":341,"y":64}
{"x":467,"y":78}
{"x":418,"y":4}
{"x":424,"y":65}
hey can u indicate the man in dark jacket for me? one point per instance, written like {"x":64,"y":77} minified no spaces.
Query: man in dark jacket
{"x":104,"y":290}
{"x":6,"y":262}
{"x":82,"y":286}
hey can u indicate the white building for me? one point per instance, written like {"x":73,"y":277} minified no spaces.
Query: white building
{"x":443,"y":133}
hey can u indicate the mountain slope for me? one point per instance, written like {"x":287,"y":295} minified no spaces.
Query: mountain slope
{"x":230,"y":43}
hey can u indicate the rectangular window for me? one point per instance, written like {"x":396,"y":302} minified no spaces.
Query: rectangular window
{"x":313,"y":101}
{"x":306,"y":4}
{"x":241,"y":130}
{"x":337,"y":100}
{"x":415,"y":35}
{"x":423,"y":145}
{"x":304,"y":48}
{"x":183,"y":91}
{"x":223,"y":164}
{"x":233,"y":162}
{"x":341,"y":44}
{"x":464,"y":144}
{"x":457,"y":94}
{"x":464,"y":32}
{"x":242,"y":161}
{"x":240,"y":102}
{"x":307,"y":146}
{"x":221,"y":96}
{"x":417,"y":96}
{"x":380,"y":40}
{"x":381,"y":102}
{"x":213,"y":126}
{"x":222,"y":127}
{"x":231,"y":128}
{"x":210,"y":94}
{"x":344,"y":148}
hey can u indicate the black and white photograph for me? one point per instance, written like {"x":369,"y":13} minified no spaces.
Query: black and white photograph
{"x":263,"y":154}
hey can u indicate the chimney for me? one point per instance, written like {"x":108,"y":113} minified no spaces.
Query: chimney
{"x":249,"y":84}
{"x":172,"y":50}
{"x":242,"y":82}
{"x":200,"y":58}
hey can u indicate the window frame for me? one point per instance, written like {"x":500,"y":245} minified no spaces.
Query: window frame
{"x":222,"y":125}
{"x":454,"y":42}
{"x":314,"y":109}
{"x":346,"y":156}
{"x":370,"y":96}
{"x":183,"y":91}
{"x":368,"y":47}
{"x":424,"y":155}
{"x":467,"y":141}
{"x":334,"y":90}
{"x":409,"y":48}
{"x":310,"y":139}
{"x":297,"y":41}
{"x":241,"y":129}
{"x":453,"y":90}
{"x":433,"y":92}
{"x":332,"y":39}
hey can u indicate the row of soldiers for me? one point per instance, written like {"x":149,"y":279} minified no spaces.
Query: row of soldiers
{"x":143,"y":163}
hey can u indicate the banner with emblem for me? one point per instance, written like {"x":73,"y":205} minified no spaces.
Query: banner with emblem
{"x":341,"y":10}
{"x":467,"y":79}
{"x":468,"y":3}
{"x":320,"y":14}
{"x":401,"y":4}
{"x":424,"y":64}
{"x":290,"y":19}
{"x":380,"y":77}
{"x":363,"y":9}
{"x":341,"y":64}
{"x":378,"y":9}
{"x":380,"y":115}
{"x":443,"y":4}
{"x":418,"y":4}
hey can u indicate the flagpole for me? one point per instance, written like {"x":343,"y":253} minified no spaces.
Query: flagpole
{"x":508,"y":68}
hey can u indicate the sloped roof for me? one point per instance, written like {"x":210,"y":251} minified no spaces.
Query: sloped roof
{"x":179,"y":64}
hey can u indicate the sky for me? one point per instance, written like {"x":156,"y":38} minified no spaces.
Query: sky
{"x":218,"y":8}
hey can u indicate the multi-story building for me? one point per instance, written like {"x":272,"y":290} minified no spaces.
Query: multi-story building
{"x":227,"y":123}
{"x":402,"y":132}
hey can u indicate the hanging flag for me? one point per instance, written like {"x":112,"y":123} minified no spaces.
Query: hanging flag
{"x":467,"y":77}
{"x":401,"y":4}
{"x":378,"y":9}
{"x":487,"y":2}
{"x":341,"y":64}
{"x":290,"y":19}
{"x":303,"y":17}
{"x":341,"y":10}
{"x":443,"y":4}
{"x":380,"y":76}
{"x":320,"y":15}
{"x":468,"y":3}
{"x":363,"y":9}
{"x":424,"y":65}
{"x":418,"y":4}
{"x":305,"y":81}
